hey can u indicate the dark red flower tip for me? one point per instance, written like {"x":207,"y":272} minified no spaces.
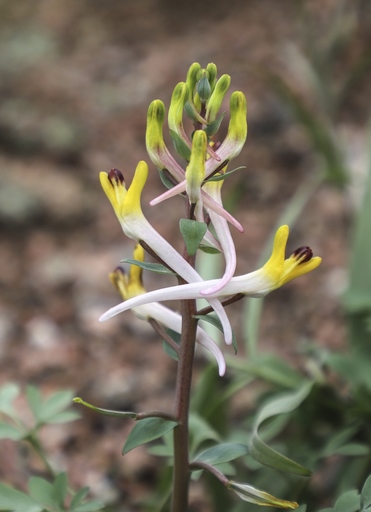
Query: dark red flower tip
{"x":116,"y":175}
{"x":303,"y":254}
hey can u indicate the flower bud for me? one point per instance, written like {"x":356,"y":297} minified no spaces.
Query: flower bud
{"x":203,"y":87}
{"x":195,"y":172}
{"x":154,"y":134}
{"x":212,"y":70}
{"x":215,"y":101}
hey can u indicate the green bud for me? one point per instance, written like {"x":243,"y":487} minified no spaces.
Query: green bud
{"x":212,"y":70}
{"x":178,"y":100}
{"x":203,"y":87}
{"x":192,"y":77}
{"x":216,"y":99}
{"x":195,"y":172}
{"x":154,"y":134}
{"x":237,"y":128}
{"x":192,"y":111}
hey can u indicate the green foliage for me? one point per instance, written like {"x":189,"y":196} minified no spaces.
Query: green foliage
{"x":147,"y":430}
{"x":49,"y":411}
{"x":45,"y":496}
{"x":224,"y":452}
{"x":259,"y":450}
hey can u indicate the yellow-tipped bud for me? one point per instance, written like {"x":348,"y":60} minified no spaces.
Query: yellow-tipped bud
{"x":178,"y":100}
{"x":154,"y":132}
{"x":192,"y":77}
{"x":212,"y":70}
{"x":215,"y":101}
{"x":195,"y":172}
{"x":238,"y":123}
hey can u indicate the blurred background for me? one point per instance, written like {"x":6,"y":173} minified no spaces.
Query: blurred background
{"x":76,"y":79}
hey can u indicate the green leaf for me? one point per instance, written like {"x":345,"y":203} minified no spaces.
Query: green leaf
{"x":338,"y":440}
{"x":54,"y":404}
{"x":220,"y":177}
{"x":34,"y":400}
{"x":147,"y":430}
{"x":8,"y":393}
{"x":168,"y":349}
{"x":348,"y":502}
{"x":165,"y":178}
{"x":223,"y":453}
{"x":42,"y":491}
{"x":209,"y":250}
{"x":16,"y":501}
{"x":181,"y":147}
{"x":214,"y":320}
{"x":353,"y":450}
{"x":192,"y":232}
{"x":79,"y":497}
{"x":213,"y":127}
{"x":366,"y":496}
{"x":153,"y":267}
{"x":9,"y":432}
{"x":60,"y":488}
{"x":262,"y":452}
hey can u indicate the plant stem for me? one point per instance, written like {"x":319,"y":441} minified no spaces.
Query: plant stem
{"x":182,"y":401}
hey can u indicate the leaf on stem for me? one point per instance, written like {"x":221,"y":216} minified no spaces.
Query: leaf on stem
{"x":153,"y":267}
{"x":147,"y":430}
{"x":192,"y":232}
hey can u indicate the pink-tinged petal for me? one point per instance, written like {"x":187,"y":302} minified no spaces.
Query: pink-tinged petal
{"x":211,"y":204}
{"x":207,"y":201}
{"x":176,"y":190}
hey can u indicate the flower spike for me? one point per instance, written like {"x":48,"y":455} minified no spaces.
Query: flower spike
{"x":275,"y":273}
{"x":131,"y":285}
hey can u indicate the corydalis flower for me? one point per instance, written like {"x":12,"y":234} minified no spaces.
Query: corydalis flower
{"x":126,"y":204}
{"x":131,"y":285}
{"x":275,"y":273}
